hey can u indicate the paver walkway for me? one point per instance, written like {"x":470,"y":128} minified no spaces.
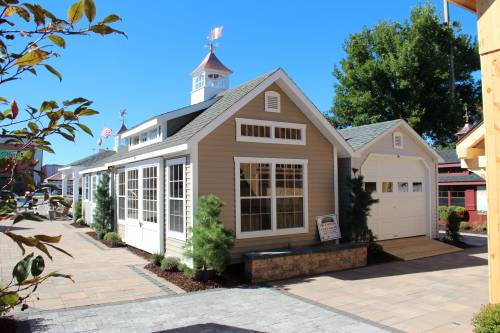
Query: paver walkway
{"x":436,"y":294}
{"x":221,"y":310}
{"x":101,"y":274}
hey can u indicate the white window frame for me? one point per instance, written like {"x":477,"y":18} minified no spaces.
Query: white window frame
{"x":148,"y":141}
{"x":394,"y":142}
{"x":141,"y":192}
{"x":272,"y":125}
{"x":270,"y":94}
{"x":118,"y":196}
{"x":94,"y":182}
{"x":138,"y":193}
{"x":172,"y":233}
{"x":274,"y":223}
{"x":86,"y":188}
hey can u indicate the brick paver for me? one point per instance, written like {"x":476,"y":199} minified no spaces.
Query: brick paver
{"x":437,"y":294}
{"x":222,"y":310}
{"x":101,"y":274}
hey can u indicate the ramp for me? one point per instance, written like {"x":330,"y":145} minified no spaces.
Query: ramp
{"x":416,"y":247}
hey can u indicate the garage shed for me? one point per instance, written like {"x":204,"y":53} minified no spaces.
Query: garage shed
{"x":401,"y":169}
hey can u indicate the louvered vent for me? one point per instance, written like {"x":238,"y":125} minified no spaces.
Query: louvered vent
{"x":398,"y":140}
{"x":272,"y":101}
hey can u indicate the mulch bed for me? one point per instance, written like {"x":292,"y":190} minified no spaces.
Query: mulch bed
{"x":7,"y":325}
{"x":93,"y":234}
{"x":231,"y":279}
{"x":138,"y":252}
{"x":78,"y":225}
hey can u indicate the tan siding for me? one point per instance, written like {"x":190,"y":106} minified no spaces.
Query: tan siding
{"x":216,"y":169}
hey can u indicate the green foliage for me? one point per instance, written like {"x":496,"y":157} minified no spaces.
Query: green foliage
{"x":464,"y":226}
{"x":78,"y":210}
{"x":360,"y":205}
{"x":170,"y":264}
{"x":453,"y":225}
{"x":443,"y":213}
{"x":103,"y":214}
{"x":402,"y":71}
{"x":210,"y":243}
{"x":488,"y":319}
{"x":112,"y":236}
{"x":29,"y":38}
{"x":156,"y":258}
{"x":375,"y":248}
{"x":188,"y":271}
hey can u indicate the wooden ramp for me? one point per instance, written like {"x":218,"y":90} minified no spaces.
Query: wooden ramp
{"x":416,"y":247}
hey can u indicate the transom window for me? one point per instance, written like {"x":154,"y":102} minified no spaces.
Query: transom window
{"x":149,"y":194}
{"x":263,"y":131}
{"x":133,"y":194}
{"x":270,"y":196}
{"x":121,"y":195}
{"x":176,"y":196}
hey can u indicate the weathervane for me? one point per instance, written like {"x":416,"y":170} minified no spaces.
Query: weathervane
{"x":215,"y":34}
{"x":123,"y":113}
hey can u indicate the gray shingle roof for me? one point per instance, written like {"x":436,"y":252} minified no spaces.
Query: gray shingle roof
{"x":92,"y":159}
{"x":223,"y":101}
{"x":472,"y":177}
{"x":449,"y":156}
{"x":360,"y":136}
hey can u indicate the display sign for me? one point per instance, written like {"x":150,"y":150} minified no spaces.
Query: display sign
{"x":328,"y":227}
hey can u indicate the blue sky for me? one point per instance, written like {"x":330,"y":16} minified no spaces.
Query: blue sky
{"x":148,"y":73}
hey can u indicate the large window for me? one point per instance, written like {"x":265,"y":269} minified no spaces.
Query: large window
{"x":176,"y":196}
{"x":133,"y":194}
{"x":121,"y":195}
{"x":95,"y":179}
{"x":86,"y":187}
{"x":149,"y":194}
{"x":263,"y":131}
{"x":144,"y":138}
{"x":457,"y":198}
{"x":271,"y":196}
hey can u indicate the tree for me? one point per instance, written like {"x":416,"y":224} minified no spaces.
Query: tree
{"x":360,"y":205}
{"x":210,"y":242}
{"x":103,"y":214}
{"x":29,"y":33}
{"x":402,"y":71}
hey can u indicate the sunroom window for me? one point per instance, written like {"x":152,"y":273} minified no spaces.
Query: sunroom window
{"x":133,"y":194}
{"x":121,"y":195}
{"x":149,"y":194}
{"x":176,"y":196}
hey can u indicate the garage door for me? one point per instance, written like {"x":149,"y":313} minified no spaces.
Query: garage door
{"x":399,"y":184}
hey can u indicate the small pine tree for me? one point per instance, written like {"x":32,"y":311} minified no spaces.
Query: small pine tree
{"x":361,"y":201}
{"x":453,"y":225}
{"x":103,"y":213}
{"x":210,"y":242}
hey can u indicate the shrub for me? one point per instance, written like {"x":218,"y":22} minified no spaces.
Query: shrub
{"x":170,"y":264}
{"x":462,"y":213}
{"x":464,"y":226}
{"x":78,"y":210}
{"x":361,"y":201}
{"x":453,"y":225}
{"x":375,"y":248}
{"x":488,"y":319}
{"x":80,"y":221}
{"x":443,"y":213}
{"x":112,"y":236}
{"x":103,"y":213}
{"x":188,"y":271}
{"x":210,"y":243}
{"x":156,"y":258}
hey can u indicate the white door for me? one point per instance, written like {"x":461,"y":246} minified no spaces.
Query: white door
{"x":141,"y":222}
{"x":401,"y":188}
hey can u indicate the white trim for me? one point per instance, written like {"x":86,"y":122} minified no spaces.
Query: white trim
{"x":411,"y":131}
{"x":336,"y":181}
{"x":96,"y":169}
{"x":171,"y":233}
{"x":160,"y":204}
{"x":64,"y":168}
{"x":274,"y":230}
{"x":427,"y":186}
{"x":140,"y":128}
{"x":271,"y":94}
{"x":146,"y":143}
{"x":272,"y":125}
{"x":156,"y":153}
{"x":297,"y":96}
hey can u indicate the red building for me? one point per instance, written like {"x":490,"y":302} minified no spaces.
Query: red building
{"x":460,"y":187}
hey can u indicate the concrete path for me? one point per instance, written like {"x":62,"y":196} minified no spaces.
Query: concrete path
{"x":436,"y":294}
{"x":220,"y":310}
{"x":101,"y":274}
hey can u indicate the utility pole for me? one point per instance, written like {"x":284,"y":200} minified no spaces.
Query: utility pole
{"x":452,"y":60}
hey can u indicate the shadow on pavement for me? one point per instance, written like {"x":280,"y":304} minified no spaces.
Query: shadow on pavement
{"x":208,"y":328}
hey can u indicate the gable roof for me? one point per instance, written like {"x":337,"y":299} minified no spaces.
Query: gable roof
{"x":92,"y":159}
{"x":449,"y":156}
{"x":360,"y":136}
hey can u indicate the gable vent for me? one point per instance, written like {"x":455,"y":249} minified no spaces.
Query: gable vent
{"x":398,"y":140}
{"x":272,"y":101}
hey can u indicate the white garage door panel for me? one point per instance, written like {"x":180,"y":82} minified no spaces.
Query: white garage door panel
{"x":398,"y":214}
